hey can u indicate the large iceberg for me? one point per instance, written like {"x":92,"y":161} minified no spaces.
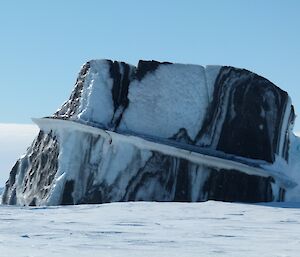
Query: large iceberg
{"x":161,"y":132}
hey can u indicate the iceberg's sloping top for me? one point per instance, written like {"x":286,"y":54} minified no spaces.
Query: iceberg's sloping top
{"x":218,"y":111}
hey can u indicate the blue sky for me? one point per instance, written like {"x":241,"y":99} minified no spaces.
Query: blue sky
{"x":44,"y":43}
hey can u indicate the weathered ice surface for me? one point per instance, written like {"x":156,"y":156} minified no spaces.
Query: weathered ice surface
{"x":223,"y":111}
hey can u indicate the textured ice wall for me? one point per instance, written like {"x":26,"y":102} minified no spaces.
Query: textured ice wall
{"x":220,"y":108}
{"x":224,"y":108}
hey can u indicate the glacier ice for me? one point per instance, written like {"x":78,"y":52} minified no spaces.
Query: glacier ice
{"x":161,"y":132}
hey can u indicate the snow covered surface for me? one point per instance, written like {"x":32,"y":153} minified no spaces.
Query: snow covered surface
{"x":151,"y":229}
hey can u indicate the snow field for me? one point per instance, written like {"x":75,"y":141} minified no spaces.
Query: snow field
{"x":151,"y":229}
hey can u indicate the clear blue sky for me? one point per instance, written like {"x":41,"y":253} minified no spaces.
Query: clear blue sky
{"x":44,"y":43}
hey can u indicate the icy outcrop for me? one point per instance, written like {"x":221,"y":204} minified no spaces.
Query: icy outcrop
{"x":160,"y":132}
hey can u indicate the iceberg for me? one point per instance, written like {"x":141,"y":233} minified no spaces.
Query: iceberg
{"x":161,"y":132}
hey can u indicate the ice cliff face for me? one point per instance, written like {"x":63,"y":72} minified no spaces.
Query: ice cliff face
{"x":160,"y":132}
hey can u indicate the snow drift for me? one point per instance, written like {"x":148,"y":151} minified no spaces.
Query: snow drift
{"x":162,"y":132}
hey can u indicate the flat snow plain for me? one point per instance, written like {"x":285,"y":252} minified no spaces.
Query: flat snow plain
{"x":151,"y":229}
